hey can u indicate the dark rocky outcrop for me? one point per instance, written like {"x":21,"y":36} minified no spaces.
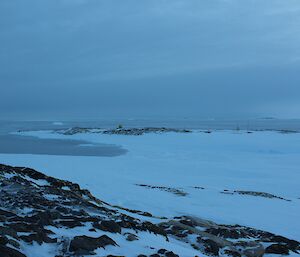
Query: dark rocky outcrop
{"x":108,"y":225}
{"x":86,"y":245}
{"x":253,"y":193}
{"x":175,"y":191}
{"x":122,"y":131}
{"x":278,"y":249}
{"x":9,"y":252}
{"x":142,"y":131}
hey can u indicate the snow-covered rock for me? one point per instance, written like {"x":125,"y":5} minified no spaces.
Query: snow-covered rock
{"x":42,"y":216}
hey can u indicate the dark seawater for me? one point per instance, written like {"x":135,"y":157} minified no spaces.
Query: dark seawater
{"x":12,"y":144}
{"x":17,"y":144}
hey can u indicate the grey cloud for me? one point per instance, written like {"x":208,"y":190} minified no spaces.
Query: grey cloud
{"x":187,"y":58}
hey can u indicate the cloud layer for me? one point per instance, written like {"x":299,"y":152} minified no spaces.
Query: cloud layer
{"x":89,"y":58}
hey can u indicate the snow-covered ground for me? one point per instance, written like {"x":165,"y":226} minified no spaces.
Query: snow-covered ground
{"x":261,"y":161}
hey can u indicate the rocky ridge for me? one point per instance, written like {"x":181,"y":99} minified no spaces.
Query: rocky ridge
{"x":36,"y":209}
{"x":122,"y":131}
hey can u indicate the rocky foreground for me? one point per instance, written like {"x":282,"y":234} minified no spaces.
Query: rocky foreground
{"x":36,"y":210}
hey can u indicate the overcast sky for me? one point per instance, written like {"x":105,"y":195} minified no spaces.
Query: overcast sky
{"x":62,"y":59}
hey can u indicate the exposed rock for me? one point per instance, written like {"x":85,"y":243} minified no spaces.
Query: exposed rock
{"x":9,"y":252}
{"x":161,"y":251}
{"x":131,"y":237}
{"x":71,"y":223}
{"x":211,"y":247}
{"x":141,"y":131}
{"x":232,"y":253}
{"x":175,"y":191}
{"x":108,"y":225}
{"x":121,"y":131}
{"x":254,"y":193}
{"x":148,"y":226}
{"x":278,"y":249}
{"x":3,"y":240}
{"x":142,"y":213}
{"x":171,"y":254}
{"x":77,"y":130}
{"x":218,"y":240}
{"x":115,"y":255}
{"x":86,"y":245}
{"x":197,"y":187}
{"x":39,"y":237}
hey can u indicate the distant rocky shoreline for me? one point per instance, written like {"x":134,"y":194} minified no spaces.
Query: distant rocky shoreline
{"x":134,"y":131}
{"x":122,"y":131}
{"x":155,"y":130}
{"x":38,"y":209}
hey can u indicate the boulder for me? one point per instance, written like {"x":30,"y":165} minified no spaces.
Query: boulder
{"x":277,"y":249}
{"x":108,"y":225}
{"x":9,"y":252}
{"x":86,"y":245}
